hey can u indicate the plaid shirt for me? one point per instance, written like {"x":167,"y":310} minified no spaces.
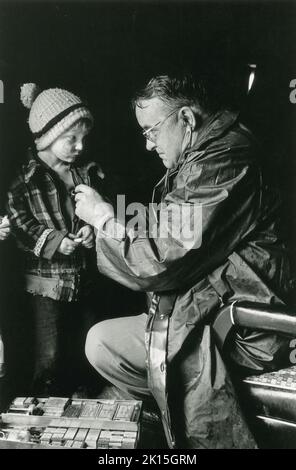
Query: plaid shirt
{"x":35,"y":209}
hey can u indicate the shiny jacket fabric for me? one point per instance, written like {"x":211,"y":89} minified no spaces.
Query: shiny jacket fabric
{"x":240,"y":256}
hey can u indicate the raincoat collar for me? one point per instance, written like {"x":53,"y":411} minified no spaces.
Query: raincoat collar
{"x":212,"y":129}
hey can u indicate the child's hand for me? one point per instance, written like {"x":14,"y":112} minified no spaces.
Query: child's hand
{"x":5,"y":228}
{"x":67,"y":246}
{"x":86,"y":235}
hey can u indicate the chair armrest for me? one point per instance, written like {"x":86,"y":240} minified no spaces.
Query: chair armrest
{"x":256,"y":316}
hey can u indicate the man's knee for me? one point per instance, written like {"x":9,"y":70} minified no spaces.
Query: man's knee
{"x":94,"y":350}
{"x":116,"y":349}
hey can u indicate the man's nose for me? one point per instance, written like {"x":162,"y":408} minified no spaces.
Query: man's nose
{"x":150,"y":145}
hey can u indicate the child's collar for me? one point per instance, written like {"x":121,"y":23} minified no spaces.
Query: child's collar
{"x":32,"y":166}
{"x":35,"y":164}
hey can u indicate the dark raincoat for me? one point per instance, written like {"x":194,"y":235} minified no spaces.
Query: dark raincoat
{"x":237,"y":253}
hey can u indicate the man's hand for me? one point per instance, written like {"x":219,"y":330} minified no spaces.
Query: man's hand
{"x":86,"y":234}
{"x":68,"y":246}
{"x":90,"y":206}
{"x":5,"y":228}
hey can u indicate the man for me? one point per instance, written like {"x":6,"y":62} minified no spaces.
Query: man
{"x":234,"y":252}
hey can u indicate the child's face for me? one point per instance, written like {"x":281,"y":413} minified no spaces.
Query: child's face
{"x":69,"y":146}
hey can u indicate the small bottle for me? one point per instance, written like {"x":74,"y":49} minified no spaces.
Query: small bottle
{"x":2,"y":363}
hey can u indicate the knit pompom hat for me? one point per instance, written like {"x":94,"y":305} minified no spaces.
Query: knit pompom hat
{"x":52,"y":112}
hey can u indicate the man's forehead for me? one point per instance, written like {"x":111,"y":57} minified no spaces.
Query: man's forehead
{"x":150,"y":110}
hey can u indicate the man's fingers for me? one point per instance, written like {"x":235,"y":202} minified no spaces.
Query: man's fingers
{"x":81,"y":188}
{"x":73,"y":238}
{"x":85,"y":192}
{"x":79,"y":233}
{"x":88,"y":240}
{"x":79,"y":197}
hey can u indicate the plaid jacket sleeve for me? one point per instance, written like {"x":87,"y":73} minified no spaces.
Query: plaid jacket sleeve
{"x":32,"y":234}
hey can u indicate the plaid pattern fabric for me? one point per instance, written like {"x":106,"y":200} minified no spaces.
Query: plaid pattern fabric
{"x":34,"y":208}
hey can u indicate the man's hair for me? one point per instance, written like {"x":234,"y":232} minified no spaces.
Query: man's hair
{"x":175,"y":91}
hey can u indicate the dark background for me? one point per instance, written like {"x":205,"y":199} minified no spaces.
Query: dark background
{"x":104,"y":51}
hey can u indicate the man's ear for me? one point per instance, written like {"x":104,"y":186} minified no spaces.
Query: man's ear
{"x":188,"y":117}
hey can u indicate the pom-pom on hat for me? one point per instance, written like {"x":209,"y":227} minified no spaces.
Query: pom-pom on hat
{"x":52,"y":112}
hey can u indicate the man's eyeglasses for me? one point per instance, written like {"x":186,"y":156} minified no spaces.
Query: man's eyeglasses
{"x":150,"y":134}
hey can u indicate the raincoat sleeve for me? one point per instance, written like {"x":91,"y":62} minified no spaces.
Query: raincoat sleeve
{"x":215,"y":204}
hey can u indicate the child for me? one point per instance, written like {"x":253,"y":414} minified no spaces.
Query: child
{"x":4,"y":234}
{"x":54,"y":240}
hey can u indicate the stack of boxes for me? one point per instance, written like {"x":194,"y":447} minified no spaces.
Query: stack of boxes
{"x":74,"y":423}
{"x":55,"y":406}
{"x":88,"y":438}
{"x":23,"y":405}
